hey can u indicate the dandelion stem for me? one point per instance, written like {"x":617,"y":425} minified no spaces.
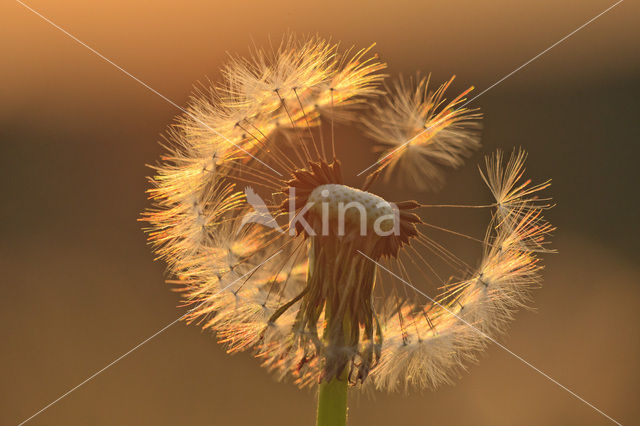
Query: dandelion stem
{"x":332,"y":403}
{"x":332,"y":394}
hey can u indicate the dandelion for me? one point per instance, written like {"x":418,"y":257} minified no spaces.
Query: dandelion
{"x":324,"y":293}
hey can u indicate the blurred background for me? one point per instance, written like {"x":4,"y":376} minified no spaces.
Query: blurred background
{"x":79,"y":284}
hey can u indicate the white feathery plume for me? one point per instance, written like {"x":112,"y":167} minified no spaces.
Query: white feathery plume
{"x":426,"y":346}
{"x":418,"y":132}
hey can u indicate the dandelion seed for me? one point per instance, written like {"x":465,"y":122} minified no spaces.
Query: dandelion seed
{"x":418,"y":132}
{"x":311,"y":297}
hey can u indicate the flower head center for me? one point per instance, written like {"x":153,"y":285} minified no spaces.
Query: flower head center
{"x":352,"y":209}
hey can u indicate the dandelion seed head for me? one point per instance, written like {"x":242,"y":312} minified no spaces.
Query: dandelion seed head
{"x":313,"y":296}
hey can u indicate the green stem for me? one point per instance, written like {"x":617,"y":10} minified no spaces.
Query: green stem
{"x":332,"y":403}
{"x":332,"y":395}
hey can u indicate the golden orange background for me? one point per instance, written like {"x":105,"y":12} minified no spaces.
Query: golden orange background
{"x":79,"y":285}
